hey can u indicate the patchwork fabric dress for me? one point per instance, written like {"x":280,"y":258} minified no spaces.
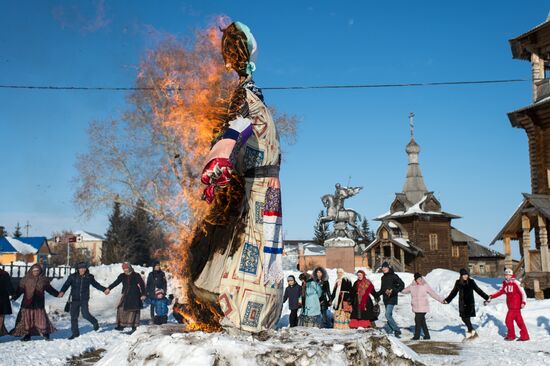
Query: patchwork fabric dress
{"x":247,"y":276}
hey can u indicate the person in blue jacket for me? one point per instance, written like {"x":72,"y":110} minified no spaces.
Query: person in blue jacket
{"x":160,"y":304}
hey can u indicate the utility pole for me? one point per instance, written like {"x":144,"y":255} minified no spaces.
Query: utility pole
{"x":28,"y":226}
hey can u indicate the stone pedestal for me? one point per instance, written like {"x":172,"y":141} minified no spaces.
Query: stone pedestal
{"x":339,"y":253}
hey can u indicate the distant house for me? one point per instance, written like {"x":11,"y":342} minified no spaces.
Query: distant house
{"x":24,"y":249}
{"x":483,"y":261}
{"x":89,"y":244}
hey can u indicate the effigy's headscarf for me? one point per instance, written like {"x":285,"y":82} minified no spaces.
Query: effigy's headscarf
{"x":31,"y":283}
{"x":238,"y":48}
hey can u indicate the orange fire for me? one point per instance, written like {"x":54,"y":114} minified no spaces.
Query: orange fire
{"x":191,"y":91}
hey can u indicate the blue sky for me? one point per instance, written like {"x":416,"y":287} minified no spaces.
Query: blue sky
{"x":472,"y":158}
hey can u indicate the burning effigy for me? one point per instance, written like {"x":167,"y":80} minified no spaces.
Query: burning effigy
{"x":234,"y":265}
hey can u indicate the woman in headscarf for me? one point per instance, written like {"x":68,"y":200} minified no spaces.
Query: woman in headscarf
{"x":6,"y":290}
{"x":133,"y":293}
{"x":32,"y":318}
{"x":341,"y":300}
{"x":363,"y":314}
{"x":236,"y":253}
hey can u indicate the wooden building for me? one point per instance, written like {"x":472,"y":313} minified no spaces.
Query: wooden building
{"x":531,"y":218}
{"x":485,"y":262}
{"x":416,"y":235}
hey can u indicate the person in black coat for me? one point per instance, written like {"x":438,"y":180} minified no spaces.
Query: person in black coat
{"x":390,"y":287}
{"x":320,"y":275}
{"x":80,"y":282}
{"x":6,"y":290}
{"x":465,"y":287}
{"x":131,"y":302}
{"x":155,"y":280}
{"x":293,"y":292}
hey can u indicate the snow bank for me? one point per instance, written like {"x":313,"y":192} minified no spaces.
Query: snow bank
{"x":167,"y":345}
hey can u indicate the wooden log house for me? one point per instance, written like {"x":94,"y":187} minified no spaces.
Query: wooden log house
{"x":533,"y":214}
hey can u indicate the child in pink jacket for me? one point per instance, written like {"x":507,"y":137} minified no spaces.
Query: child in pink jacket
{"x":515,"y":300}
{"x":419,"y":291}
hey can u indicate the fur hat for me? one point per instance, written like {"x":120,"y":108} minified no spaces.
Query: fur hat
{"x":463,"y":272}
{"x":508,"y":271}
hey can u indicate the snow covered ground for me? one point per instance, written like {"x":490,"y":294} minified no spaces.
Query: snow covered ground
{"x":443,"y":321}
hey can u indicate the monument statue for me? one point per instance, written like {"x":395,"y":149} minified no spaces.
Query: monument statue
{"x":345,"y":219}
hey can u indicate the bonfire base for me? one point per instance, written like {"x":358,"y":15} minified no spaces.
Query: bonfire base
{"x":173,"y":345}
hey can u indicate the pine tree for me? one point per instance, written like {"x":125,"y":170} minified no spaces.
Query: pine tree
{"x":367,"y":235}
{"x":320,"y":230}
{"x":3,"y":232}
{"x":145,"y":235}
{"x":114,"y":248}
{"x":17,"y":233}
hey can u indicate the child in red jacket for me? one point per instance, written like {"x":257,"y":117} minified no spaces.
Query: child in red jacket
{"x":516,"y":300}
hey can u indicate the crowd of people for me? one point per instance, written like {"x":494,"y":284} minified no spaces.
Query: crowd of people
{"x":32,"y":319}
{"x":310,"y":303}
{"x":357,"y":305}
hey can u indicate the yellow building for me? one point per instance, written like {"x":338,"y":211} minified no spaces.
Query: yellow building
{"x":24,"y":249}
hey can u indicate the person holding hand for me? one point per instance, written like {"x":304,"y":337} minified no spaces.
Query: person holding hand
{"x":80,"y":282}
{"x":131,"y":302}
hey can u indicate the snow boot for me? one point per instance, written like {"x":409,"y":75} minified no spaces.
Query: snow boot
{"x":397,"y":334}
{"x":47,"y":337}
{"x":26,"y":338}
{"x":132,"y":331}
{"x":119,"y":328}
{"x":415,"y":338}
{"x":73,"y":336}
{"x":96,"y":327}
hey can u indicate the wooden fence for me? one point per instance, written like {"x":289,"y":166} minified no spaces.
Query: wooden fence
{"x":19,"y":271}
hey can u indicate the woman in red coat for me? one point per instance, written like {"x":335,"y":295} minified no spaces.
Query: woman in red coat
{"x":32,"y":318}
{"x":516,"y":300}
{"x":363,"y":314}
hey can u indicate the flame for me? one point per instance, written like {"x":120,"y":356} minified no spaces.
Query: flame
{"x":191,"y":89}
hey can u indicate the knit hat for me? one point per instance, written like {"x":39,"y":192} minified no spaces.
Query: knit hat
{"x":463,"y":272}
{"x":508,"y":271}
{"x":159,"y":291}
{"x":385,"y":265}
{"x":81,"y":265}
{"x":417,"y":276}
{"x":155,"y":263}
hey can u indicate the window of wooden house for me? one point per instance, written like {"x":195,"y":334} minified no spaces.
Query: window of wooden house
{"x":455,"y":251}
{"x":482,"y":269}
{"x":488,"y":268}
{"x":470,"y":268}
{"x":433,"y":242}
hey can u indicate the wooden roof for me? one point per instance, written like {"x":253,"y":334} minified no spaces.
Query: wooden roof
{"x":531,"y":41}
{"x":538,"y":113}
{"x":532,"y":204}
{"x":476,"y":250}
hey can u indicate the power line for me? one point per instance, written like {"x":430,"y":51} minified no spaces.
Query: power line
{"x":302,"y":87}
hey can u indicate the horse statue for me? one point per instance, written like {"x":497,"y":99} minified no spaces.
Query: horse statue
{"x":341,"y":217}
